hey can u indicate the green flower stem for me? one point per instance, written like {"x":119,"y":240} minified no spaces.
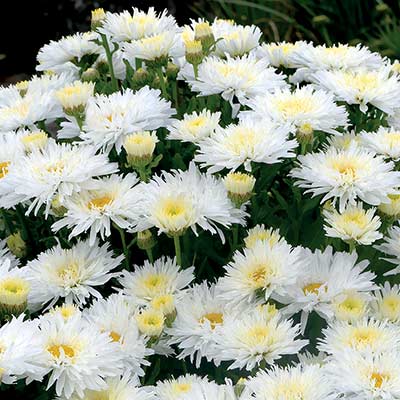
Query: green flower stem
{"x":162,"y":82}
{"x":175,"y":94}
{"x":124,"y":246}
{"x":235,"y":236}
{"x":352,"y":246}
{"x":106,"y":46}
{"x":21,"y":218}
{"x":7,"y":221}
{"x":177,"y":244}
{"x":150,"y":255}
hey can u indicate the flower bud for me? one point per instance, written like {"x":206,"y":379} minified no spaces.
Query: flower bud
{"x":203,"y":33}
{"x":22,"y":87}
{"x":16,"y":244}
{"x":140,"y":147}
{"x":150,"y":322}
{"x":34,"y":140}
{"x":239,"y":186}
{"x":90,"y":75}
{"x":194,"y":52}
{"x":145,"y":240}
{"x":73,"y":98}
{"x":13,"y":296}
{"x":98,"y":16}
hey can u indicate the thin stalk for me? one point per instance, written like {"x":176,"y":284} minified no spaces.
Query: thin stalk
{"x":124,"y":246}
{"x":150,"y":255}
{"x":7,"y":221}
{"x":175,"y":94}
{"x":177,"y":244}
{"x":21,"y":219}
{"x":162,"y":82}
{"x":106,"y":46}
{"x":235,"y":235}
{"x":352,"y":246}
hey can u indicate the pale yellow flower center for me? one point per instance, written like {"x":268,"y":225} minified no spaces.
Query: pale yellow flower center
{"x":378,"y":378}
{"x":312,"y":287}
{"x":56,"y":349}
{"x":99,"y":203}
{"x":214,"y":319}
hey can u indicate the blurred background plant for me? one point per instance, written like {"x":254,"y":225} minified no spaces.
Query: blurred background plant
{"x":371,"y":22}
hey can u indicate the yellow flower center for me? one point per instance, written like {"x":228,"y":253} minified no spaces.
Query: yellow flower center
{"x":69,"y":272}
{"x":181,"y":387}
{"x":293,"y":106}
{"x":13,"y":291}
{"x":312,"y":287}
{"x":56,"y":349}
{"x":378,"y":379}
{"x":214,"y":319}
{"x":362,"y":81}
{"x":4,"y":168}
{"x":392,"y":139}
{"x":364,"y":336}
{"x":115,"y":336}
{"x":99,"y":203}
{"x":257,"y":335}
{"x":257,"y":276}
{"x":196,"y":122}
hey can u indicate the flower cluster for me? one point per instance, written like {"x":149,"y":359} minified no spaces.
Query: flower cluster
{"x":187,"y":213}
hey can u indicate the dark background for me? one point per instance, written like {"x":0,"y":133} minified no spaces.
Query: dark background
{"x":27,"y":25}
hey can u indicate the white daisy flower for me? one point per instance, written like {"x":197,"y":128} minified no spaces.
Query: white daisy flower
{"x":344,"y":141}
{"x":337,"y":57}
{"x":366,"y":376}
{"x":351,"y":305}
{"x":178,"y":200}
{"x":235,"y":40}
{"x":248,"y":141}
{"x":19,"y":111}
{"x":346,"y":175}
{"x":57,"y":170}
{"x":251,"y":338}
{"x":391,"y":247}
{"x":261,"y":271}
{"x":354,"y":224}
{"x":61,"y":56}
{"x":306,"y":109}
{"x":116,"y":316}
{"x":307,"y":382}
{"x":199,"y":314}
{"x":376,"y":87}
{"x":32,"y":139}
{"x":324,"y":279}
{"x":77,"y":357}
{"x":259,"y":234}
{"x":126,"y":26}
{"x":391,"y":209}
{"x":180,"y":388}
{"x":119,"y":388}
{"x":282,"y":54}
{"x":11,"y":150}
{"x":385,"y":141}
{"x":14,"y":288}
{"x":364,"y":336}
{"x":159,"y":47}
{"x":150,"y":281}
{"x":385,"y":304}
{"x":105,"y":201}
{"x":72,"y":274}
{"x":21,"y":352}
{"x":244,"y":77}
{"x":109,"y":119}
{"x":194,"y":127}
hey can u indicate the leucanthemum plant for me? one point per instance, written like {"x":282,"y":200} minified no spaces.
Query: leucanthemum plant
{"x":188,"y":212}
